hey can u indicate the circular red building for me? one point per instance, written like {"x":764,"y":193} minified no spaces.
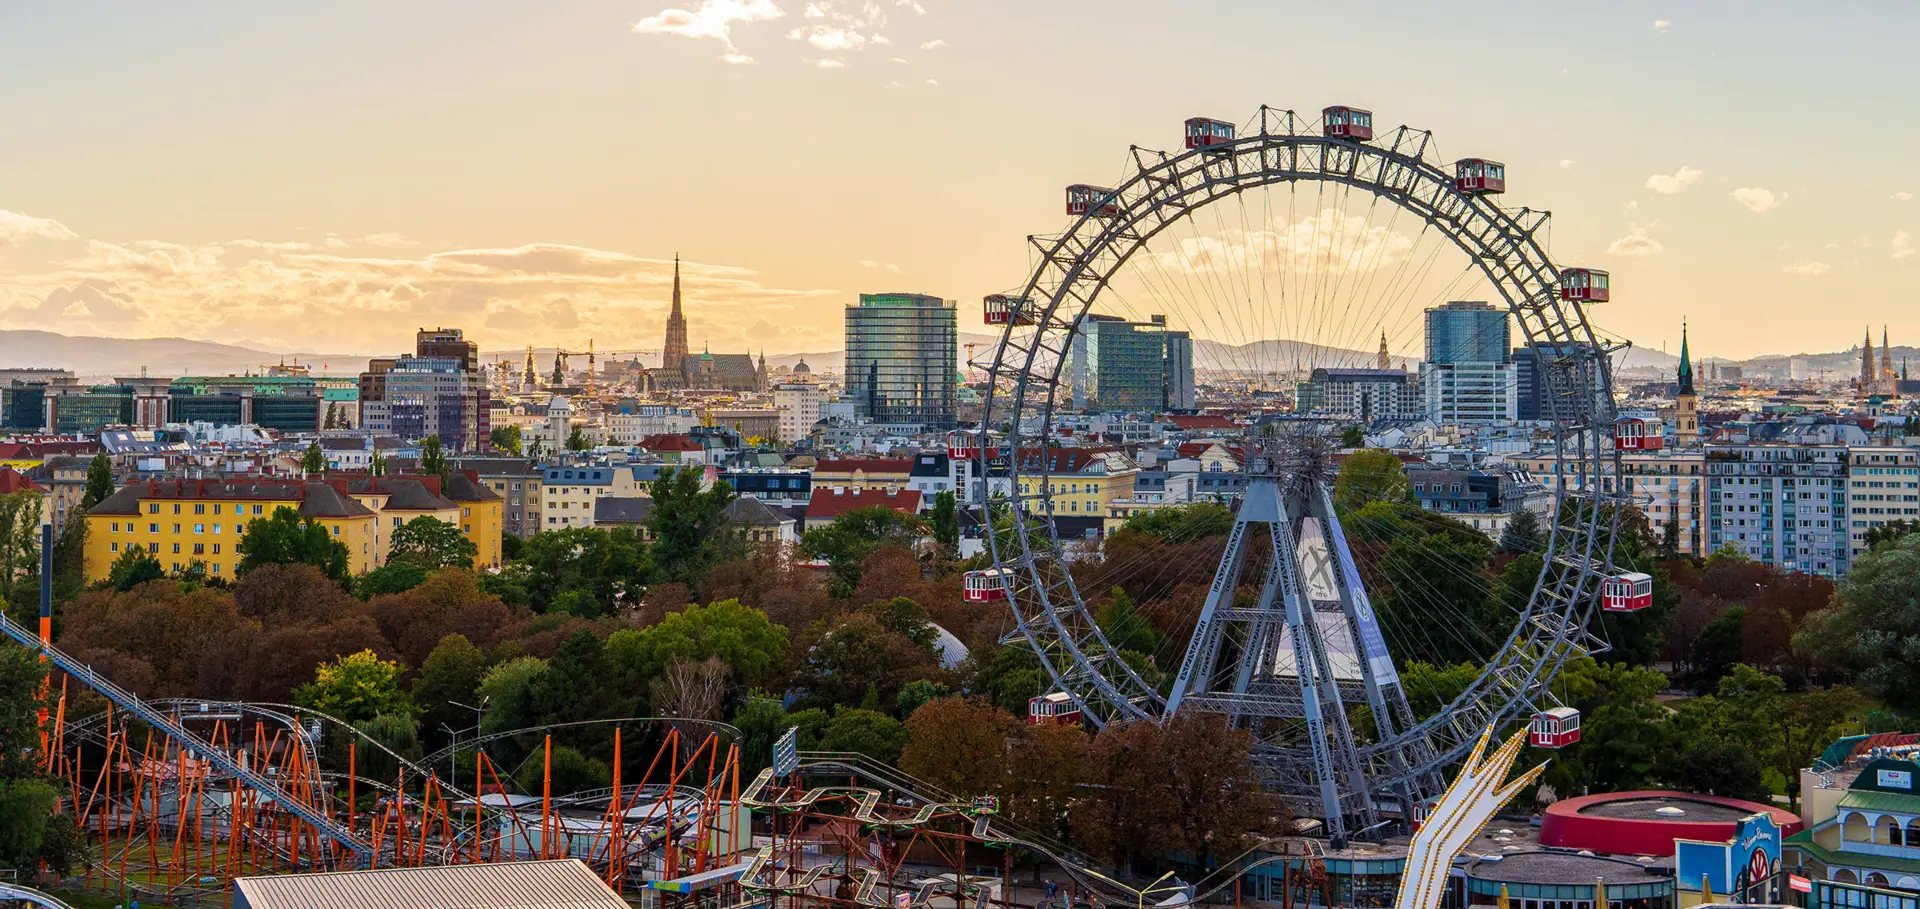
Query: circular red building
{"x":1647,"y":823}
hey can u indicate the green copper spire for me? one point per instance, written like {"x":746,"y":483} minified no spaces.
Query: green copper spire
{"x":1686,"y":363}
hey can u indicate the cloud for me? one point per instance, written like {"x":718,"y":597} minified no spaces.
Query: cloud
{"x":1902,"y":245}
{"x":1661,"y":25}
{"x":1334,"y":241}
{"x":935,"y":44}
{"x":304,"y":296}
{"x":386,"y":239}
{"x":1636,"y":243}
{"x":1902,"y":197}
{"x":1631,"y":204}
{"x":886,"y":266}
{"x":16,"y":227}
{"x":829,"y":38}
{"x":933,"y":82}
{"x":1810,"y":269}
{"x":712,"y":19}
{"x":899,"y":59}
{"x":1676,"y":182}
{"x":1758,"y":200}
{"x":1566,"y":163}
{"x":831,"y":63}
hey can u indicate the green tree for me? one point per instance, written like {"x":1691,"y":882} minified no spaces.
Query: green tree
{"x":1181,"y":523}
{"x":1890,"y":532}
{"x":451,"y":673}
{"x":511,"y":690}
{"x":284,"y":538}
{"x":861,"y":657}
{"x":945,"y":519}
{"x":611,"y":565}
{"x":1429,"y":687}
{"x":506,"y":438}
{"x":1623,"y":737}
{"x":867,"y":732}
{"x":1522,"y":533}
{"x":377,"y":465}
{"x":577,"y":440}
{"x":1873,"y":629}
{"x":433,"y":457}
{"x":133,"y":568}
{"x":1352,"y":437}
{"x":393,"y":577}
{"x":1371,"y":475}
{"x":853,"y":536}
{"x":917,"y":693}
{"x":688,"y":525}
{"x":432,"y":544}
{"x":99,"y":481}
{"x":355,"y":687}
{"x":1126,"y":629}
{"x":740,"y":636}
{"x":30,"y":830}
{"x":314,"y":460}
{"x":1717,"y":649}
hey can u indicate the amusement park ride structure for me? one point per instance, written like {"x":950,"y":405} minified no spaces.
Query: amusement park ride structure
{"x":1296,"y":666}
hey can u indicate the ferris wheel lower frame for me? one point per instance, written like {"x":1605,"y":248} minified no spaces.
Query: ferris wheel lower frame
{"x":1304,"y":742}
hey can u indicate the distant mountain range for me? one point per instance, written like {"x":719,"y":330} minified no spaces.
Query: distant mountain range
{"x":118,"y":357}
{"x":94,"y":357}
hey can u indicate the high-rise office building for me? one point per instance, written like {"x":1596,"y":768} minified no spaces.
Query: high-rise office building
{"x":1116,"y":365}
{"x":1468,"y":375}
{"x":439,"y":391}
{"x":902,"y":351}
{"x":1531,"y":365}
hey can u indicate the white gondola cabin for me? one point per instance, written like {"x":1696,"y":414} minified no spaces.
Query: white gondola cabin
{"x":1097,"y":201}
{"x":1480,"y":177}
{"x":1629,"y":592}
{"x":1347,"y":123}
{"x":1638,"y":434}
{"x":1583,"y":285}
{"x":1056,"y":709}
{"x":1418,"y":815}
{"x":986,"y":586}
{"x":1005,"y":309}
{"x":1555,"y":728}
{"x":1205,"y":133}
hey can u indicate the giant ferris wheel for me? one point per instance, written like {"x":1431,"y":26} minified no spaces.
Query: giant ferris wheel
{"x":1323,"y":234}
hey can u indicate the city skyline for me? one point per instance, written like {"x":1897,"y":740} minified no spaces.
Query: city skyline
{"x":330,"y":180}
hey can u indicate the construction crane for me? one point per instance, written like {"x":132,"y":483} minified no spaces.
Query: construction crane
{"x":560,"y":367}
{"x":972,"y":377}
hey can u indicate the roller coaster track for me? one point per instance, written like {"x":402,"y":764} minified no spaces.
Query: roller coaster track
{"x":269,"y":792}
{"x":15,"y":892}
{"x":936,"y":805}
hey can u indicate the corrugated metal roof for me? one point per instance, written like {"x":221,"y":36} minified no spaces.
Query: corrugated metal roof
{"x":1867,"y":800}
{"x":565,"y":884}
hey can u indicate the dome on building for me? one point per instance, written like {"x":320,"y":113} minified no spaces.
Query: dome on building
{"x":800,"y":369}
{"x":559,"y":404}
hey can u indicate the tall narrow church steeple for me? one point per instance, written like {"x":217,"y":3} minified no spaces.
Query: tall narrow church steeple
{"x":1386,"y":359}
{"x":1686,"y":363}
{"x":674,"y":352}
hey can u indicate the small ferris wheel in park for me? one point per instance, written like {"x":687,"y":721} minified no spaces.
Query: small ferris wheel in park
{"x":1294,"y":255}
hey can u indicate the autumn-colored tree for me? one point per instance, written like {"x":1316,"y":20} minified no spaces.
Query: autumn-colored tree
{"x":450,"y":602}
{"x":1185,"y":786}
{"x":959,"y":745}
{"x":1045,"y":770}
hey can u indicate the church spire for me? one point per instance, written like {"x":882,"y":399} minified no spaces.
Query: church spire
{"x":1686,"y":363}
{"x":674,"y":352}
{"x":1866,"y":364}
{"x":1386,"y":359}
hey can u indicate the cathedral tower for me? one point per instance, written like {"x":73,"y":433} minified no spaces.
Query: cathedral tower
{"x":674,"y":352}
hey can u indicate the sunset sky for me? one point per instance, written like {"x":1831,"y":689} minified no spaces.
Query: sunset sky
{"x":330,"y":176}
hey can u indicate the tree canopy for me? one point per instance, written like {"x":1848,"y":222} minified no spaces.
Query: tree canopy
{"x":284,"y":538}
{"x":1371,"y":475}
{"x":429,"y":543}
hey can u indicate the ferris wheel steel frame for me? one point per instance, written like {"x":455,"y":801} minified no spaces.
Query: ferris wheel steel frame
{"x":1053,"y":618}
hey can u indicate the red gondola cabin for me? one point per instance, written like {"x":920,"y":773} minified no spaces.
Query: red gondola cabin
{"x":1097,"y":201}
{"x":1348,"y":123}
{"x":1480,"y":177}
{"x":1638,"y":434}
{"x":1002,"y":309}
{"x":1629,"y":592}
{"x":988,"y":586}
{"x":1555,"y":728}
{"x":1583,"y":285}
{"x":1056,"y":709}
{"x":1205,"y":133}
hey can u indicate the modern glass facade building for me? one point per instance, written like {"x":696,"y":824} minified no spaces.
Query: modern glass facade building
{"x":1466,"y":331}
{"x":902,"y":350}
{"x":1117,"y":365}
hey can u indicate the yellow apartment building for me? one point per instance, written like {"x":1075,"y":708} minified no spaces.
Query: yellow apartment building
{"x":180,"y":522}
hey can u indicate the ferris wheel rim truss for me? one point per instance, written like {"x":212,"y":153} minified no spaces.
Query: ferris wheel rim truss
{"x":1024,"y":381}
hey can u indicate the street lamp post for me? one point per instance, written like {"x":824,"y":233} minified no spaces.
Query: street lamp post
{"x":453,"y":767}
